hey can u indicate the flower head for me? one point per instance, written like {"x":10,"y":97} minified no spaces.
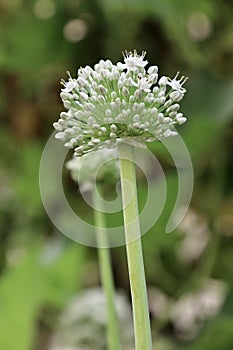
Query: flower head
{"x":93,"y":167}
{"x":111,"y":103}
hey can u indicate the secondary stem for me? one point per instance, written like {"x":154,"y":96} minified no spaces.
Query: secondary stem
{"x":106,"y":277}
{"x":134,"y":249}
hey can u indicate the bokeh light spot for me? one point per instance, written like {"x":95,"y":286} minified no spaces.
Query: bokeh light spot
{"x":199,"y":26}
{"x":75,"y":30}
{"x":44,"y":9}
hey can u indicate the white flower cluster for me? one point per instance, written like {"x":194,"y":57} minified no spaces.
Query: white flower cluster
{"x":87,"y":312}
{"x":94,"y":167}
{"x":111,"y":103}
{"x":191,"y":310}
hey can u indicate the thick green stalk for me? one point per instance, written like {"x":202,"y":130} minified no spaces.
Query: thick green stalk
{"x":106,"y":277}
{"x":134,"y":249}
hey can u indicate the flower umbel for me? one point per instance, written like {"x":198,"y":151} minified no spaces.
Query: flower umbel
{"x":111,"y":103}
{"x":99,"y":166}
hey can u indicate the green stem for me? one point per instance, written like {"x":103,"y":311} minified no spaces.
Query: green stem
{"x":106,"y":276}
{"x":134,"y":249}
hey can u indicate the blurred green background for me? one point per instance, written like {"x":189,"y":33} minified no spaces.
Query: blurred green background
{"x":190,"y":272}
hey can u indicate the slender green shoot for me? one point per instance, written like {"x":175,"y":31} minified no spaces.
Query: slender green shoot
{"x":106,"y":276}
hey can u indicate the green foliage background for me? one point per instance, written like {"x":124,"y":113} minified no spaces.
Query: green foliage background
{"x":39,"y":268}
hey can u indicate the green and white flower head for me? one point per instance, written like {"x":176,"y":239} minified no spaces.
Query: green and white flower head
{"x":111,"y":103}
{"x":95,"y":167}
